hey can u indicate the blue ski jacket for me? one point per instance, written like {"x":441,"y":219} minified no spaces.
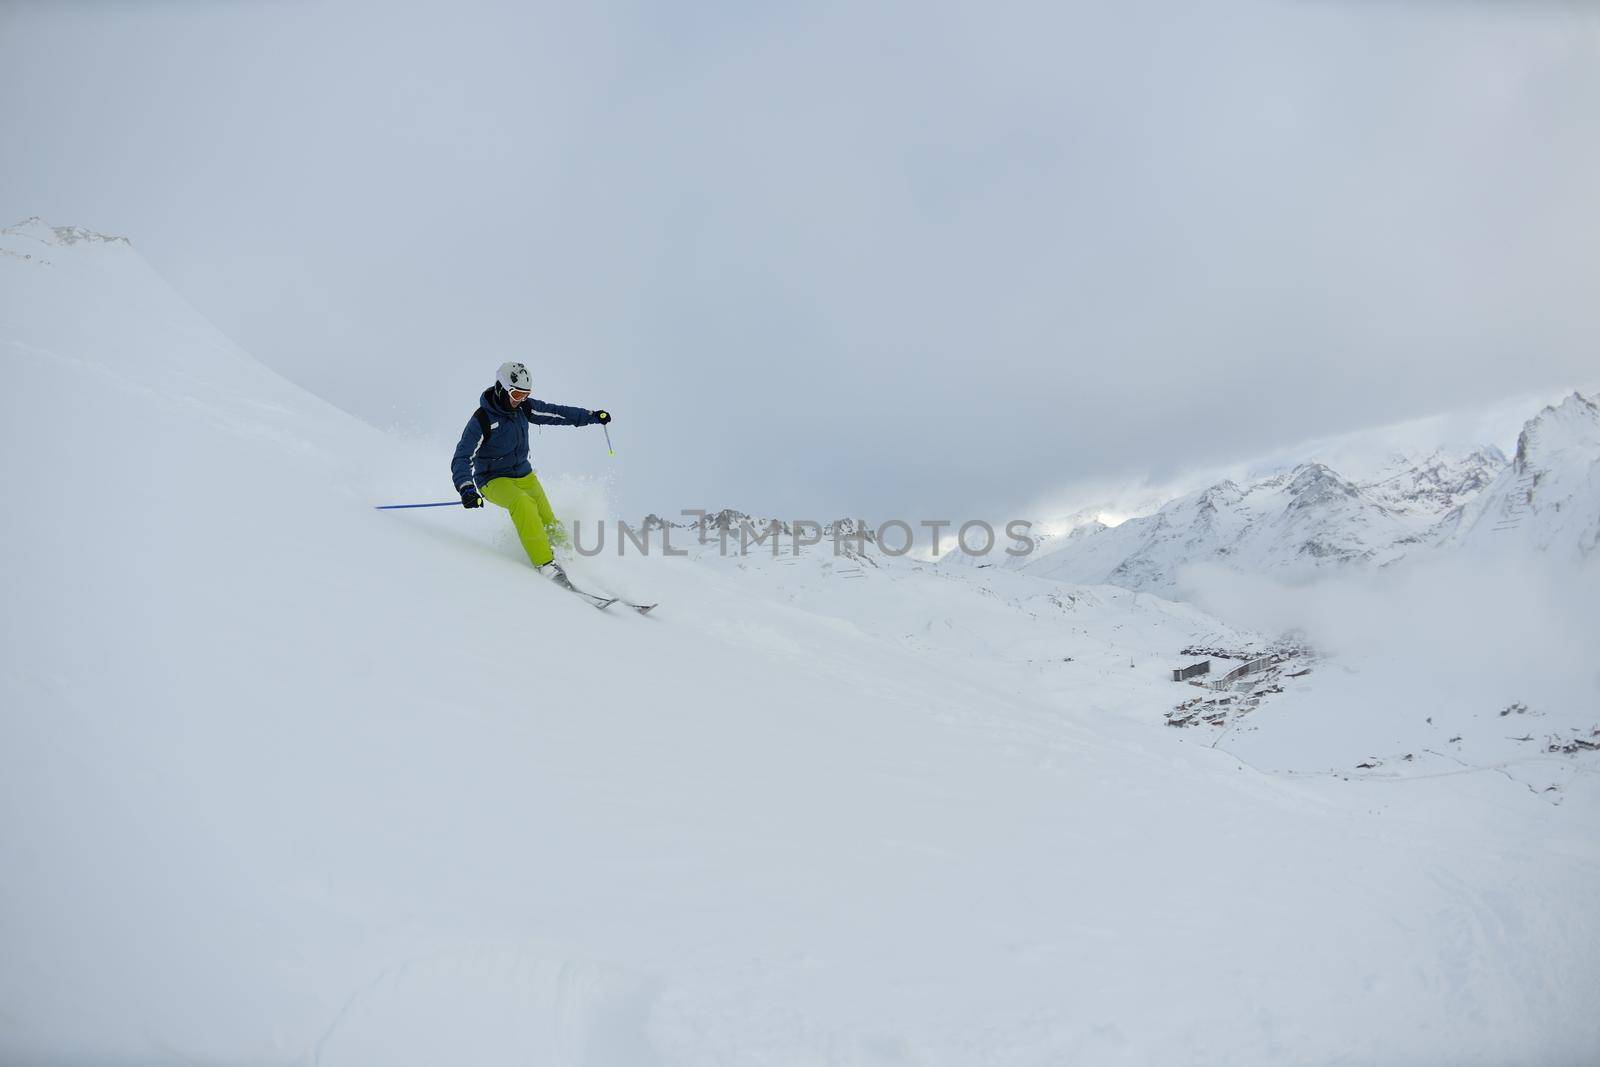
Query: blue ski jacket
{"x":495,"y":442}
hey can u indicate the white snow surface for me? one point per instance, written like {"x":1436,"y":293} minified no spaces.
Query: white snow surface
{"x":288,"y":780}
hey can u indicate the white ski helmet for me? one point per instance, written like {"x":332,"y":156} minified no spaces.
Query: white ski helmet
{"x":514,"y":376}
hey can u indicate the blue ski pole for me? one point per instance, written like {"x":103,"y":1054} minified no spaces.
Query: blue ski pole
{"x":396,"y":507}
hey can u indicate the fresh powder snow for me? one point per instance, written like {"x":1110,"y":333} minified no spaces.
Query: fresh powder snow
{"x":285,"y":779}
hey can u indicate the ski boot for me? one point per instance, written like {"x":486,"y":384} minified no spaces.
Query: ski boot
{"x":553,"y":571}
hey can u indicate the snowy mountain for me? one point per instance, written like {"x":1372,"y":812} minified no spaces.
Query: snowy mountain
{"x":1293,"y":524}
{"x":285,"y":779}
{"x":1548,"y":499}
{"x":1430,"y":486}
{"x":1338,"y":521}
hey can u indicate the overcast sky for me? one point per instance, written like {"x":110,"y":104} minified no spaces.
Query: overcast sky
{"x":888,"y":259}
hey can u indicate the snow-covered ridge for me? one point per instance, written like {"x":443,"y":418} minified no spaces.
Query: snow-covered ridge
{"x":1433,"y":484}
{"x":1548,"y":499}
{"x":1311,"y":520}
{"x":36,"y":229}
{"x":1294,"y":523}
{"x":738,"y":532}
{"x":730,"y":520}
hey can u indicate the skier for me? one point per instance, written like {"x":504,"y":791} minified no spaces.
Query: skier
{"x":492,"y":461}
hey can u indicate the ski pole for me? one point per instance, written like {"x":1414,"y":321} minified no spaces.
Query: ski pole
{"x":396,"y":507}
{"x":609,"y":450}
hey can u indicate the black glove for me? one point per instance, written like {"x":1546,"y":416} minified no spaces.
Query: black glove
{"x":602,"y":417}
{"x":470,"y":497}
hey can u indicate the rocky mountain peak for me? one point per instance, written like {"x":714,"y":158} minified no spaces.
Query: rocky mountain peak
{"x":37,"y":229}
{"x":1575,"y":422}
{"x":1314,"y":484}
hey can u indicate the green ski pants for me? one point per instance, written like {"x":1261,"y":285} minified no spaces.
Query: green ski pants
{"x":537,"y":527}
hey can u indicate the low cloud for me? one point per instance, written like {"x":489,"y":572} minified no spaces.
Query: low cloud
{"x":1513,"y":629}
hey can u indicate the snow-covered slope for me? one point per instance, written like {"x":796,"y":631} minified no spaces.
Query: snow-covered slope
{"x":1548,"y":500}
{"x":284,"y":779}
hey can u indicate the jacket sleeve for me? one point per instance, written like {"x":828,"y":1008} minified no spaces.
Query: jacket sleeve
{"x":542,"y":414}
{"x":461,"y":465}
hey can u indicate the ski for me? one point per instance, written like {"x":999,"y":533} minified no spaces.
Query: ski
{"x":601,"y":602}
{"x":642,"y":609}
